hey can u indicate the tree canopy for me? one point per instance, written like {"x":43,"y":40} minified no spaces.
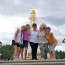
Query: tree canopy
{"x":6,"y":51}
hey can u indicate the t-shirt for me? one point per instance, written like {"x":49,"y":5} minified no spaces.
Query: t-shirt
{"x":34,"y":36}
{"x":26,"y":35}
{"x":42,"y":37}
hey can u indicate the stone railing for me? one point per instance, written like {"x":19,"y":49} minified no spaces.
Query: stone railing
{"x":34,"y":62}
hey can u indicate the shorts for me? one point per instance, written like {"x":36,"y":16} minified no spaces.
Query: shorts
{"x":52,"y":48}
{"x":14,"y":43}
{"x":25,"y":44}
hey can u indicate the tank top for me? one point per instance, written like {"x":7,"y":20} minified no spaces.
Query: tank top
{"x":18,"y":38}
{"x":42,"y":37}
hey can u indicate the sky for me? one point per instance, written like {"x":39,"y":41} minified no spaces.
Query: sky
{"x":15,"y":13}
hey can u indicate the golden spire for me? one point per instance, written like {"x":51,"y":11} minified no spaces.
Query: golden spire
{"x":33,"y":11}
{"x":32,"y":17}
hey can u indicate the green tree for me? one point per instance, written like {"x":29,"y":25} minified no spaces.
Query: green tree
{"x":60,"y":54}
{"x":7,"y":51}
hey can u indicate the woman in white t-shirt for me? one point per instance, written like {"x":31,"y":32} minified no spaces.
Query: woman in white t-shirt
{"x":43,"y":43}
{"x":34,"y":41}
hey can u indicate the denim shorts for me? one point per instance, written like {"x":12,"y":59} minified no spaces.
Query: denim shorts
{"x":52,"y":48}
{"x":25,"y":44}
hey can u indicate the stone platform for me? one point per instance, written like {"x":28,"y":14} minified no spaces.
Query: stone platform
{"x":34,"y":62}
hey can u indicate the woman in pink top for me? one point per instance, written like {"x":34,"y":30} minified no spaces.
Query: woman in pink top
{"x":26,"y":35}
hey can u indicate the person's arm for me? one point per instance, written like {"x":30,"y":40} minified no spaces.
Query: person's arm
{"x":51,"y":34}
{"x":15,"y":36}
{"x":29,"y":34}
{"x":46,"y":35}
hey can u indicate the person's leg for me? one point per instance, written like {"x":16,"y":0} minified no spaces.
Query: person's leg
{"x":18,"y":50}
{"x":41,"y":50}
{"x":50,"y":53}
{"x":25,"y":53}
{"x":53,"y":51}
{"x":25,"y":42}
{"x":45,"y":55}
{"x":53,"y":54}
{"x":36,"y":47}
{"x":15,"y":51}
{"x":32,"y":50}
{"x":45,"y":50}
{"x":22,"y":49}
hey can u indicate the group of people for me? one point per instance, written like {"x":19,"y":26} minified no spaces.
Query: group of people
{"x":42,"y":37}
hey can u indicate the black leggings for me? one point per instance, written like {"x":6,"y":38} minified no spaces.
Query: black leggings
{"x":34,"y":47}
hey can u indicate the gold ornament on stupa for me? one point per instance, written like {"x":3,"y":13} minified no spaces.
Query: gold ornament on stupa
{"x":32,"y":17}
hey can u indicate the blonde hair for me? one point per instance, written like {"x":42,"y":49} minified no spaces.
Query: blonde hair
{"x":43,"y":25}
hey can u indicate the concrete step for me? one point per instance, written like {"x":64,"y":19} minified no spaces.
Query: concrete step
{"x":34,"y":62}
{"x":29,"y":57}
{"x":29,"y":61}
{"x":45,"y":63}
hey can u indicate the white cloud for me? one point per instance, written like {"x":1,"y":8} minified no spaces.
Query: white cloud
{"x":62,"y":47}
{"x":8,"y":25}
{"x":14,"y":13}
{"x":54,"y":8}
